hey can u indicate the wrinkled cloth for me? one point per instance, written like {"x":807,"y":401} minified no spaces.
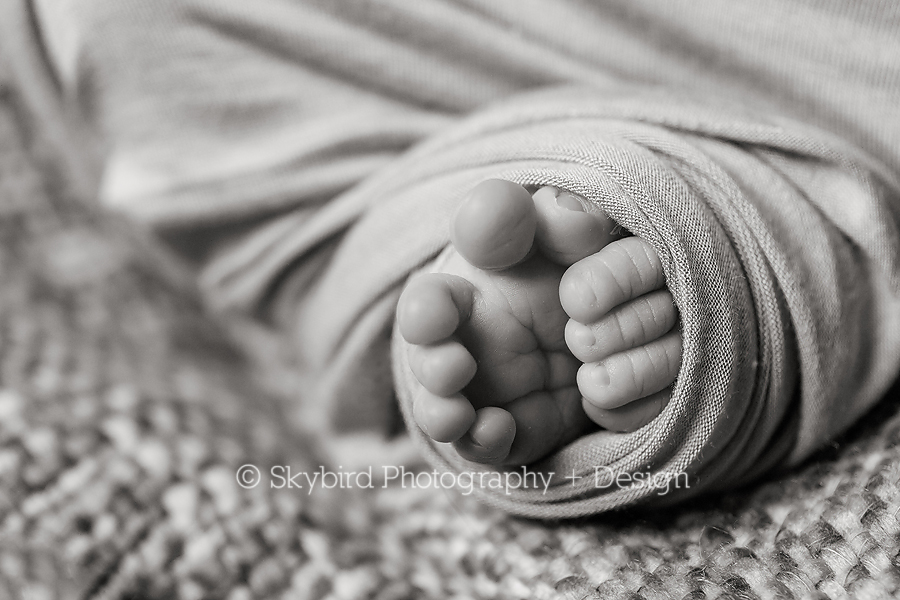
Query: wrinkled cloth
{"x":778,"y":248}
{"x":308,"y":156}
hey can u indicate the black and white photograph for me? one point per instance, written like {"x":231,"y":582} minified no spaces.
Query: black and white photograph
{"x":449,"y":299}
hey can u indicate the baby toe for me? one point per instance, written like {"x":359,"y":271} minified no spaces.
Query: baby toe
{"x":569,"y":228}
{"x":443,"y":419}
{"x":623,"y":270}
{"x":543,"y":422}
{"x":627,"y":326}
{"x":627,"y":376}
{"x":443,"y":369}
{"x":632,"y":416}
{"x":494,"y":226}
{"x":490,"y":438}
{"x":432,"y":306}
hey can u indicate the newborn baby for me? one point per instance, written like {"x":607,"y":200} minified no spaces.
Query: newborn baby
{"x":533,"y":287}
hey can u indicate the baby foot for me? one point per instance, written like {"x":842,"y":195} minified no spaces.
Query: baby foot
{"x":488,"y":333}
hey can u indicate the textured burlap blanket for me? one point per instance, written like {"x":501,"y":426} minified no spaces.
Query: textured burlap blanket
{"x":126,"y":411}
{"x":272,"y":143}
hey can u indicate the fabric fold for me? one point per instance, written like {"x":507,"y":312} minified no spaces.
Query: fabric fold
{"x":778,"y":247}
{"x":321,"y":148}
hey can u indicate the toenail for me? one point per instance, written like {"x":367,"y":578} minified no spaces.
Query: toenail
{"x":567,"y":200}
{"x":584,"y":293}
{"x":600,"y":375}
{"x":583,"y":336}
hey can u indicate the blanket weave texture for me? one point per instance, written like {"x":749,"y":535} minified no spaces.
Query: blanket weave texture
{"x":126,"y":411}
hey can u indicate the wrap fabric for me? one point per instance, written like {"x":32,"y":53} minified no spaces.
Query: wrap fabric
{"x":778,"y":247}
{"x":754,"y":153}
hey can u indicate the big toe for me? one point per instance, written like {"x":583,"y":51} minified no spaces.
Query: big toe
{"x":495,"y":225}
{"x":569,"y":227}
{"x":624,"y":270}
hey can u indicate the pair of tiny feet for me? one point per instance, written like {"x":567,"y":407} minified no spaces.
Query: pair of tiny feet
{"x":542,"y":323}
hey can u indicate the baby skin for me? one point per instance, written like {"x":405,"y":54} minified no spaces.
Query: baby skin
{"x":542,"y":323}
